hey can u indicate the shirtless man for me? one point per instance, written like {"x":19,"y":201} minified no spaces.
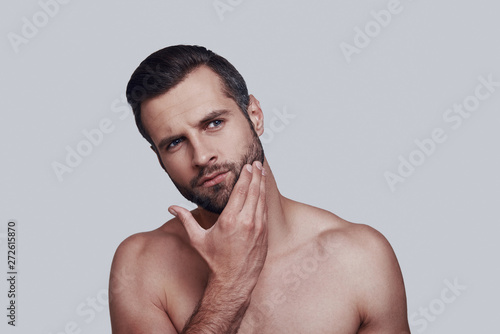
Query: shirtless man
{"x":247,"y":260}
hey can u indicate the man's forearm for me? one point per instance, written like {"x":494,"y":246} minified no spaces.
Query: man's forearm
{"x":220,"y":311}
{"x":235,"y":249}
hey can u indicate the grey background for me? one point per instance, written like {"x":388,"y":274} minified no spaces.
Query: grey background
{"x":352,"y":120}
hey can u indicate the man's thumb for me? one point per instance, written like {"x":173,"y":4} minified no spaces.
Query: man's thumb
{"x":192,"y":227}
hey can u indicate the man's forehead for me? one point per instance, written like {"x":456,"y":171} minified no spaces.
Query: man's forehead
{"x":198,"y":86}
{"x":197,"y":95}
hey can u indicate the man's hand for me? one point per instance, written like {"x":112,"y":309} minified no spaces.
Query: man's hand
{"x":235,"y":247}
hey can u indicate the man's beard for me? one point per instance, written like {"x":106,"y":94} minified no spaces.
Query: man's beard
{"x":215,"y":198}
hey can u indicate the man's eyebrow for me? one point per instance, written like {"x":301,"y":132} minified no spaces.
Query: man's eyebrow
{"x":213,"y":115}
{"x":166,"y":141}
{"x":210,"y":117}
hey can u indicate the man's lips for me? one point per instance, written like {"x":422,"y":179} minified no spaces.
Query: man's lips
{"x":212,"y":179}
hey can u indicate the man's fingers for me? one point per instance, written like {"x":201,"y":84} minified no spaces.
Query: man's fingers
{"x":240,"y":190}
{"x":260,"y":212}
{"x":193,"y":229}
{"x":254,"y":191}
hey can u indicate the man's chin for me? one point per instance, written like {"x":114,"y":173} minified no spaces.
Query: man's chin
{"x":215,"y":203}
{"x":211,"y":206}
{"x":215,"y":198}
{"x":214,"y":210}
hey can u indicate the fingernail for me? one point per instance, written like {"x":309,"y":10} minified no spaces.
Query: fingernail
{"x":264,"y":171}
{"x":172,"y":211}
{"x":258,"y":165}
{"x":249,"y":168}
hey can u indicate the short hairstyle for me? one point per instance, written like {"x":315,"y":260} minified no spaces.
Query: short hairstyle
{"x":166,"y":68}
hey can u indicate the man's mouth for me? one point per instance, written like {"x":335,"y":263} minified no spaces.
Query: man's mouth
{"x":212,"y":179}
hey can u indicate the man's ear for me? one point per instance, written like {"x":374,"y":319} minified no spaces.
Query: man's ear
{"x":158,"y":156}
{"x":256,"y":115}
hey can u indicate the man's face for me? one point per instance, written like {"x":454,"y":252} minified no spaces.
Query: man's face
{"x":202,"y":138}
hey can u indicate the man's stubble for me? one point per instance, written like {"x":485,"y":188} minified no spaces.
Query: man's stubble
{"x":215,"y":198}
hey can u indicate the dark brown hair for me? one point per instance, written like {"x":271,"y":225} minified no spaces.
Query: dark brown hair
{"x":166,"y":68}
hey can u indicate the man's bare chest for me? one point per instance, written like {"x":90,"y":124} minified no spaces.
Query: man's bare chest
{"x":303,"y":296}
{"x":307,"y":292}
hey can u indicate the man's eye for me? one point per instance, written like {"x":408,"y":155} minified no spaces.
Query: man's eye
{"x":174,"y":143}
{"x":215,"y":124}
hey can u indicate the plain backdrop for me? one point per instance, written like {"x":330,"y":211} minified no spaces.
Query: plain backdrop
{"x":353,"y":117}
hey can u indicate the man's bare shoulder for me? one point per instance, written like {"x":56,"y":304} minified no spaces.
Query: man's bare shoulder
{"x":364,"y":262}
{"x":359,"y":247}
{"x":149,"y":261}
{"x":367,"y":259}
{"x":148,"y":275}
{"x":326,"y":226}
{"x":153,"y":249}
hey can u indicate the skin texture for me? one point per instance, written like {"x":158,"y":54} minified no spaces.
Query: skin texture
{"x":265,"y":264}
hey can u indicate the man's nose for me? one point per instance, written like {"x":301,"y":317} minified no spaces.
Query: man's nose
{"x":203,"y":153}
